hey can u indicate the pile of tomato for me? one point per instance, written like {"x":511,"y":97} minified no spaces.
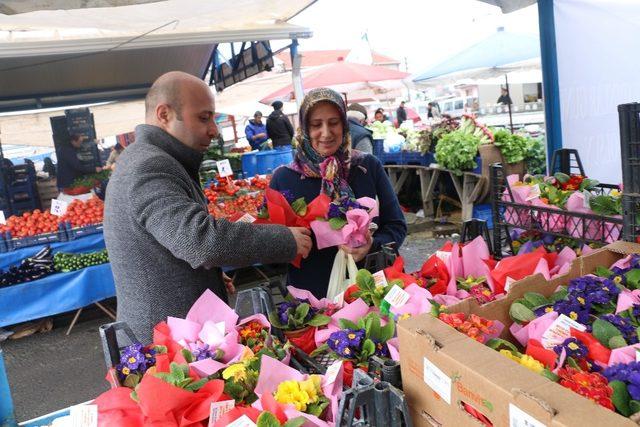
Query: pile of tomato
{"x":81,"y":213}
{"x":229,"y":198}
{"x":240,"y":205}
{"x":31,"y":224}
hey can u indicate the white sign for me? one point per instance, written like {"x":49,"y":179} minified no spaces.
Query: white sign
{"x":58,"y":207}
{"x":332,"y":372}
{"x":84,"y":416}
{"x":218,"y":409}
{"x":559,"y":331}
{"x":246,"y":218}
{"x":243,"y":421}
{"x":380,"y":279}
{"x":519,"y":418}
{"x":397,"y":297}
{"x":437,"y":380}
{"x":3,"y":220}
{"x":534,"y":193}
{"x":224,"y":168}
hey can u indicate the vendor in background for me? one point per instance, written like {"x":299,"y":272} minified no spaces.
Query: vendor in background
{"x":256,"y":131}
{"x":164,"y":247}
{"x":432,"y":111}
{"x":401,"y":114}
{"x":504,"y":99}
{"x":379,"y":115}
{"x":77,"y":158}
{"x":346,"y":173}
{"x":361,"y":139}
{"x":113,"y":156}
{"x":279,"y":127}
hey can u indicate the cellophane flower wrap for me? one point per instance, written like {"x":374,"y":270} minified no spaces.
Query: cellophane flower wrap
{"x":346,"y":223}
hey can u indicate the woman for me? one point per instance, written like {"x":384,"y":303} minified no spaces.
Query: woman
{"x":324,"y":141}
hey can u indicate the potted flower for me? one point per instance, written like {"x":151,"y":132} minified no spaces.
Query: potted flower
{"x":299,"y":320}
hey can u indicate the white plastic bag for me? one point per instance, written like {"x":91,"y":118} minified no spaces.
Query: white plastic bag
{"x":343,"y":274}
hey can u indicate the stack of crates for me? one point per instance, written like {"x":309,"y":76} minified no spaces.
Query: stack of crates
{"x":21,"y":188}
{"x":629,"y":116}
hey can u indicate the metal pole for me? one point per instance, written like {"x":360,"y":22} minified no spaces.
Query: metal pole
{"x":296,"y":61}
{"x":7,"y":417}
{"x":506,"y":80}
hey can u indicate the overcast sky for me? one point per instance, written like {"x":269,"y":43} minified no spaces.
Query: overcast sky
{"x":423,"y":31}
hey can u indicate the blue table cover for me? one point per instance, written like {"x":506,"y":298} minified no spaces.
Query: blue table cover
{"x":55,"y":294}
{"x":90,"y":243}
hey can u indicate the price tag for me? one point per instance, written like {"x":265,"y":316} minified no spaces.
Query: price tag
{"x":519,"y":418}
{"x":437,"y":380}
{"x":339,"y":299}
{"x":534,"y":193}
{"x":3,"y":220}
{"x":560,"y":331}
{"x":224,"y":168}
{"x":243,"y":421}
{"x":380,"y":279}
{"x":84,"y":416}
{"x":332,"y":372}
{"x":397,"y":297}
{"x":218,"y":409}
{"x":246,"y":218}
{"x":58,"y":207}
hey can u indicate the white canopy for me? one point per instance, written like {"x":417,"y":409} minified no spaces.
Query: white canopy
{"x":62,"y":57}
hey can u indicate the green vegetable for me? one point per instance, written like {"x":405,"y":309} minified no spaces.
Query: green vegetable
{"x":513,"y":147}
{"x":457,"y":151}
{"x":66,"y":262}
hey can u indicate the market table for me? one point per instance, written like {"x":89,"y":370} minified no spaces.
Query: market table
{"x":57,"y":293}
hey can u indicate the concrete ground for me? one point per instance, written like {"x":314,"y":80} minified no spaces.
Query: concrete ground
{"x":50,"y":371}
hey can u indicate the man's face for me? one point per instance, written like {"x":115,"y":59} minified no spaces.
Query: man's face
{"x":258,"y":119}
{"x":196,"y":127}
{"x":77,"y":143}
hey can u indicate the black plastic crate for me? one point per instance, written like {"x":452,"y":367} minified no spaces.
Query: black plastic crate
{"x":629,"y":117}
{"x":631,"y":212}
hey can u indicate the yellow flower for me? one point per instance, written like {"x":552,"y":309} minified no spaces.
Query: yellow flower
{"x":573,"y":346}
{"x":531,"y":363}
{"x":236,"y":371}
{"x":469,"y":280}
{"x":125,"y":371}
{"x":573,"y":315}
{"x":510,"y":355}
{"x":617,"y":280}
{"x":548,"y":309}
{"x":581,"y":300}
{"x":404,"y":316}
{"x":312,"y":387}
{"x":614,"y":193}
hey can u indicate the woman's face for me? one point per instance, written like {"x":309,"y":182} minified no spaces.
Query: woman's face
{"x":325,"y":128}
{"x":379,"y":117}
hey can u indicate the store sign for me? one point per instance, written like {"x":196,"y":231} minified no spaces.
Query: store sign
{"x":224,"y":168}
{"x":58,"y":207}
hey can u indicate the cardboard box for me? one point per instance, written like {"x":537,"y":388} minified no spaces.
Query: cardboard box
{"x":442,"y":368}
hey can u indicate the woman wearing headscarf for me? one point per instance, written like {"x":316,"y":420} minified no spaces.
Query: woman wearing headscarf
{"x":324,"y":162}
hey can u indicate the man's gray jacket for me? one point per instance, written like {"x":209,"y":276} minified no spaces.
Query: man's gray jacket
{"x":164,"y":247}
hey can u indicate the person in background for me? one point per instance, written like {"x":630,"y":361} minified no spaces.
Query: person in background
{"x":164,"y":247}
{"x":256,"y":131}
{"x":113,"y":156}
{"x":325,"y":163}
{"x":77,"y":158}
{"x":504,"y":99}
{"x":379,"y":116}
{"x":49,"y":167}
{"x":279,"y":127}
{"x":361,"y":139}
{"x":401,"y":114}
{"x":432,"y":111}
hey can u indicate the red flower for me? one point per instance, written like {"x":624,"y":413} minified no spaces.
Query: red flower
{"x":591,"y":385}
{"x":573,"y":184}
{"x":435,"y":274}
{"x":474,"y":326}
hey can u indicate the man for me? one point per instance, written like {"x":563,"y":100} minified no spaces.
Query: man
{"x":256,"y":131}
{"x":401,"y":114}
{"x":164,"y":247}
{"x":504,"y":99}
{"x":279,"y":127}
{"x":75,"y":159}
{"x":361,"y":139}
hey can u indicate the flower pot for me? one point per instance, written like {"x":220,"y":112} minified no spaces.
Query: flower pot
{"x":303,"y":338}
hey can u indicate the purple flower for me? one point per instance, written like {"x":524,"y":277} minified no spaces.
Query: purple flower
{"x":573,"y":310}
{"x":599,"y":290}
{"x":573,"y":348}
{"x":624,"y":326}
{"x":133,"y":358}
{"x":288,"y":307}
{"x":334,"y":211}
{"x":542,"y":310}
{"x":382,"y":349}
{"x":628,"y":373}
{"x":354,"y":338}
{"x":288,"y":194}
{"x":346,"y":343}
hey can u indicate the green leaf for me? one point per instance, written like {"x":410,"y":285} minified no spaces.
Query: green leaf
{"x":275,"y":320}
{"x":160,"y":349}
{"x":337,"y":223}
{"x":535,"y":299}
{"x":547,"y":373}
{"x":188,"y":356}
{"x":633,"y":277}
{"x":388,"y":331}
{"x":621,"y":397}
{"x":572,"y":362}
{"x":562,"y":177}
{"x":319,"y":320}
{"x":347,"y":324}
{"x":299,"y":206}
{"x":295,"y":422}
{"x":176,"y":371}
{"x":365,"y":280}
{"x":496,"y":343}
{"x":131,"y":381}
{"x":267,"y":419}
{"x":559,"y":295}
{"x":320,"y":350}
{"x":634,"y":406}
{"x":521,"y":313}
{"x":617,"y":342}
{"x":368,"y":348}
{"x":603,"y":331}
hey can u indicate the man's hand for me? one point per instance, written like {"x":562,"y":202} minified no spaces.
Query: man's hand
{"x":98,"y":169}
{"x":261,"y":135}
{"x":303,"y":240}
{"x":228,"y":283}
{"x":358,"y":254}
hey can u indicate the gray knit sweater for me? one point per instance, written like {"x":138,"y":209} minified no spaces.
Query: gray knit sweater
{"x":164,"y":247}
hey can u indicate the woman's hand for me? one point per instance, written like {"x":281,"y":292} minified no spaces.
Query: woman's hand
{"x":359,"y":253}
{"x":228,"y":283}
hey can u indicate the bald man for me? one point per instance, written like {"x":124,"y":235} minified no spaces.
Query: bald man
{"x":164,"y":247}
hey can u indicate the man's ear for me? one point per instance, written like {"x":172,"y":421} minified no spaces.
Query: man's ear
{"x":163,"y":113}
